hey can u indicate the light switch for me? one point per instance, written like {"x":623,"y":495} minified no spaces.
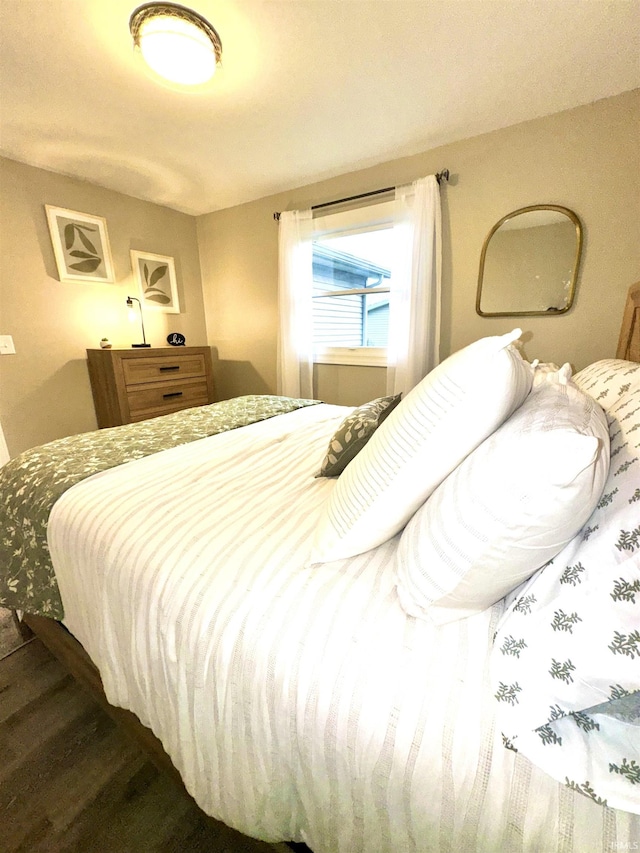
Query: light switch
{"x":6,"y":345}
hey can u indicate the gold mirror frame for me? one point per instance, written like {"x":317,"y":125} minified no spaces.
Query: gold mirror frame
{"x":576,"y":264}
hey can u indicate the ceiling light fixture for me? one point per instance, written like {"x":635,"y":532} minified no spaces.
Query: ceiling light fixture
{"x":175,"y":42}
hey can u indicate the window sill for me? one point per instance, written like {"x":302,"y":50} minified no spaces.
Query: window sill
{"x":361,"y":356}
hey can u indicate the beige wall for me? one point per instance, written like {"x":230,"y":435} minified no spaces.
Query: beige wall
{"x":44,"y":388}
{"x":586,"y":159}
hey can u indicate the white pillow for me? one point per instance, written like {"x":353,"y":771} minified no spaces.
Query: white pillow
{"x":549,"y":372}
{"x":513,"y":504}
{"x":565,"y":666}
{"x":454,"y":408}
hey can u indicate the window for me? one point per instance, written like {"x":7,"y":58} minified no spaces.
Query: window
{"x":353,"y":260}
{"x":401,"y":284}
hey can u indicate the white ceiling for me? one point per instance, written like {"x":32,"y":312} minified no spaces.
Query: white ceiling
{"x":309,"y":89}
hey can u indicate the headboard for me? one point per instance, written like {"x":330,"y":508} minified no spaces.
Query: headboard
{"x":629,"y":341}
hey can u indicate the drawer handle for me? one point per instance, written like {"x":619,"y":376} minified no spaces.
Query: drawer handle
{"x":172,"y":367}
{"x":173,"y":394}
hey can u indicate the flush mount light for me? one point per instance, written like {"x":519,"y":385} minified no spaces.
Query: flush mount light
{"x":175,"y":42}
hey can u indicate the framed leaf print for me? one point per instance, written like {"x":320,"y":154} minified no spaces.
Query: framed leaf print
{"x":80,"y":245}
{"x":156,"y":277}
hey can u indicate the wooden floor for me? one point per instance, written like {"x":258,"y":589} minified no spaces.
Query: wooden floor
{"x":71,"y":781}
{"x":9,"y":637}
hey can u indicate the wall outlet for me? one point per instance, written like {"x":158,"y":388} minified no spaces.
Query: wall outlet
{"x":6,"y":345}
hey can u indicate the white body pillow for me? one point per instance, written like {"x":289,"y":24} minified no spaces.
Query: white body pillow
{"x":449,"y":413}
{"x":511,"y":506}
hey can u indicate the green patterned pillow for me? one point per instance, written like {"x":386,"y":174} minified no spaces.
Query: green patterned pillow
{"x":354,"y":432}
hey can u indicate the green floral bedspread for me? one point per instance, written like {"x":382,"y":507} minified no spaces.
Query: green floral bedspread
{"x":31,"y":483}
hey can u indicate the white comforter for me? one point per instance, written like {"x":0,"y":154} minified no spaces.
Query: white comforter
{"x":298,"y":701}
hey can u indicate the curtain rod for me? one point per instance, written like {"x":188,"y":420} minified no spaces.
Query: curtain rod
{"x":441,"y":177}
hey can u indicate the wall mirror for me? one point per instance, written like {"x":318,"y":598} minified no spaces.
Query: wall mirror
{"x":529,"y":263}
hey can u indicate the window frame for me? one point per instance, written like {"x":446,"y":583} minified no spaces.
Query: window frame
{"x":378,"y":216}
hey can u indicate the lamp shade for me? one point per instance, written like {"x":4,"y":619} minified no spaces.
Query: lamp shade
{"x":176,"y":43}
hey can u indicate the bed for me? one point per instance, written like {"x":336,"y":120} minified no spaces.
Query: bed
{"x":336,"y":635}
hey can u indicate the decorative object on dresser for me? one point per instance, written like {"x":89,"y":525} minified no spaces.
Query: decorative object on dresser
{"x":132,"y":385}
{"x":176,"y":339}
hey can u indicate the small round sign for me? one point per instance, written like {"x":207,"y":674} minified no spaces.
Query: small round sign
{"x":176,"y":339}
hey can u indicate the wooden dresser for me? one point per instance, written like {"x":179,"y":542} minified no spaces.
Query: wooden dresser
{"x":135,"y":384}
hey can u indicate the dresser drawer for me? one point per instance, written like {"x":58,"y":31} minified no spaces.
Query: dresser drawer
{"x":162,"y":368}
{"x":152,"y":399}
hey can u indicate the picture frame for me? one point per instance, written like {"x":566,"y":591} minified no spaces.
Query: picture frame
{"x":80,"y":245}
{"x":156,"y":278}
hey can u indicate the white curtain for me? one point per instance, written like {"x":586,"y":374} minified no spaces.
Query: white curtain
{"x":4,"y":452}
{"x":295,"y":279}
{"x":415,"y":298}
